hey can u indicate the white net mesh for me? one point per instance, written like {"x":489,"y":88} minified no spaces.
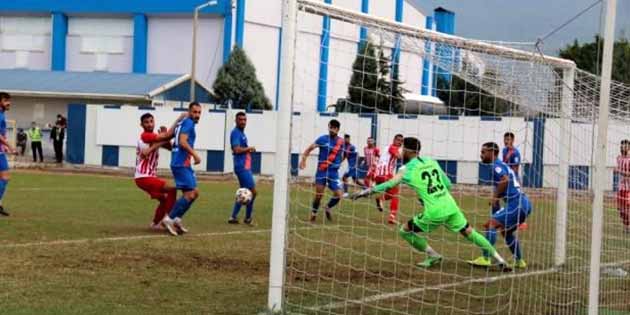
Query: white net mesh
{"x":357,"y":263}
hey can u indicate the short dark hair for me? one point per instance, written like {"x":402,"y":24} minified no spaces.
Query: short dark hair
{"x":334,"y":123}
{"x":509,"y":134}
{"x":400,"y":136}
{"x":5,"y":96}
{"x":625,"y":142}
{"x":240,"y":114}
{"x":193,"y":104}
{"x":346,"y":136}
{"x":412,"y":144}
{"x":492,"y":146}
{"x":145,"y":116}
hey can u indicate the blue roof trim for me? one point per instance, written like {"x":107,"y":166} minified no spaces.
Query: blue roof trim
{"x":448,"y":117}
{"x":112,"y":106}
{"x":217,"y":110}
{"x":114,"y":6}
{"x":146,"y":108}
{"x":408,"y":116}
{"x":490,"y":118}
{"x":180,"y":109}
{"x":326,"y":114}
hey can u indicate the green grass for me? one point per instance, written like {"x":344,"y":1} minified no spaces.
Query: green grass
{"x":80,"y":244}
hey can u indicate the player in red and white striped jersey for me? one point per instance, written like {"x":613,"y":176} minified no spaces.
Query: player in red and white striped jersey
{"x":371,"y":155}
{"x":623,"y":193}
{"x":147,"y":156}
{"x":385,"y":170}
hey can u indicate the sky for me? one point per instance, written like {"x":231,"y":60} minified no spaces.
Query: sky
{"x":527,"y":20}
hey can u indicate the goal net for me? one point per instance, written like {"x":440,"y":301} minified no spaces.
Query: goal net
{"x":379,"y":79}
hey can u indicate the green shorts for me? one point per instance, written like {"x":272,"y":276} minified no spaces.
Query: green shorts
{"x":455,"y":221}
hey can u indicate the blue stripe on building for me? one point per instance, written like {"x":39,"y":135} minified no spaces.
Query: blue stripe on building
{"x":140,"y":38}
{"x":426,"y":64}
{"x":444,"y":23}
{"x":533,"y":173}
{"x":295,"y":160}
{"x":396,"y":53}
{"x":450,"y":168}
{"x":322,"y":85}
{"x":373,"y":124}
{"x":227,"y":35}
{"x":110,"y":155}
{"x":114,"y":6}
{"x":59,"y":33}
{"x":75,"y":134}
{"x":240,"y":22}
{"x":215,"y":160}
{"x":365,"y":8}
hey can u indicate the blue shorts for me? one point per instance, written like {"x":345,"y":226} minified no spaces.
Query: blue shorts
{"x":352,"y":173}
{"x":328,"y":178}
{"x":4,"y":164}
{"x":246,"y":179}
{"x":514,"y":213}
{"x":184,"y":177}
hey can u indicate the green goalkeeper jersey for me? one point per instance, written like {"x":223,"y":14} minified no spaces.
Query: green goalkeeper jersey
{"x":430,"y":183}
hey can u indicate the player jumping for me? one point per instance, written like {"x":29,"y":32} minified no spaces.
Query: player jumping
{"x":351,"y":155}
{"x":623,"y":192}
{"x":147,"y":157}
{"x":515,"y":211}
{"x":5,"y":104}
{"x":385,"y":170}
{"x":432,"y":186}
{"x":183,"y":151}
{"x":330,"y":154}
{"x":371,"y":155}
{"x":242,"y":167}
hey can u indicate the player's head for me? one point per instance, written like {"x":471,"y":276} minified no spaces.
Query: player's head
{"x":147,"y":122}
{"x":33,"y":124}
{"x":625,"y":146}
{"x":333,"y":127}
{"x":489,"y":152}
{"x":241,"y":120}
{"x":5,"y":101}
{"x":411,"y":148}
{"x":370,"y":142}
{"x":398,"y":140}
{"x":346,"y":138}
{"x":508,"y":139}
{"x":194,"y":111}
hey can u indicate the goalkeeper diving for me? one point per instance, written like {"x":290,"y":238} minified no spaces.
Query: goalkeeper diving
{"x":432,"y":186}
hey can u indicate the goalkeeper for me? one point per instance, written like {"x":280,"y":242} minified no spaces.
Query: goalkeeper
{"x":432,"y":186}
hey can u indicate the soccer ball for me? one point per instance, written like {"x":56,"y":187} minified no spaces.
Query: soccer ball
{"x":243,"y":196}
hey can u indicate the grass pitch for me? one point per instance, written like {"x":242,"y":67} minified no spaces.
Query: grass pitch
{"x":80,"y":244}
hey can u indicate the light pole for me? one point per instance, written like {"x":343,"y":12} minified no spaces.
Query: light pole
{"x":194,"y":46}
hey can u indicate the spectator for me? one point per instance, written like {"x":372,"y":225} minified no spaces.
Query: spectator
{"x":35,"y":134}
{"x":57,"y":134}
{"x":61,"y":121}
{"x":21,"y":141}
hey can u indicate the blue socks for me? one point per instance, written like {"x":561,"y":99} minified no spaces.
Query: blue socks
{"x":3,"y":187}
{"x":315,"y":206}
{"x":236,"y":209}
{"x":512,"y":242}
{"x":333,"y":202}
{"x":491,"y":236}
{"x":249,"y":209}
{"x":181,"y":206}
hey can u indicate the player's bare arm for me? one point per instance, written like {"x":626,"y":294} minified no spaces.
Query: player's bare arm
{"x":3,"y":141}
{"x":183,"y":143}
{"x":305,"y":155}
{"x":240,"y":150}
{"x":501,"y":188}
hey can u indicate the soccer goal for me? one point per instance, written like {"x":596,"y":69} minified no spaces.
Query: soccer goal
{"x":381,"y":78}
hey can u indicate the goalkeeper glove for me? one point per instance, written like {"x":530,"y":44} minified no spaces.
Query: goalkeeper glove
{"x":363,"y":193}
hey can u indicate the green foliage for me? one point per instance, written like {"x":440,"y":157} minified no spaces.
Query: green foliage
{"x":586,"y":55}
{"x":370,"y":88}
{"x":237,"y":83}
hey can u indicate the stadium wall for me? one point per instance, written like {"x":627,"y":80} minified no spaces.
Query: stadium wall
{"x":453,"y":141}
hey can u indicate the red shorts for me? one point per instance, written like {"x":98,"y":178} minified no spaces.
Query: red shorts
{"x":152,"y":185}
{"x":623,"y":200}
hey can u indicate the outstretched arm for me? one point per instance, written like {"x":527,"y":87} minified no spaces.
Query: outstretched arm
{"x":380,"y":188}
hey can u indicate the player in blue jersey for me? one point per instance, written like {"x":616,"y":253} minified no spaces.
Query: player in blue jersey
{"x":241,"y":152}
{"x":351,"y":155}
{"x":5,"y":147}
{"x":182,"y":152}
{"x":510,"y":154}
{"x":516,"y":206}
{"x":330,"y":156}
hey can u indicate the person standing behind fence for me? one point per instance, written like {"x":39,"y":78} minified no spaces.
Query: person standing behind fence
{"x":57,"y":135}
{"x":22,"y":138}
{"x":35,"y":134}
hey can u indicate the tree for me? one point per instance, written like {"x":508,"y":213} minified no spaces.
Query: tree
{"x":236,"y":83}
{"x":586,"y":55}
{"x":370,"y":88}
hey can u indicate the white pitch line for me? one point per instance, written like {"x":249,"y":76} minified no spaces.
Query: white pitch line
{"x":386,"y":296}
{"x":125,"y":238}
